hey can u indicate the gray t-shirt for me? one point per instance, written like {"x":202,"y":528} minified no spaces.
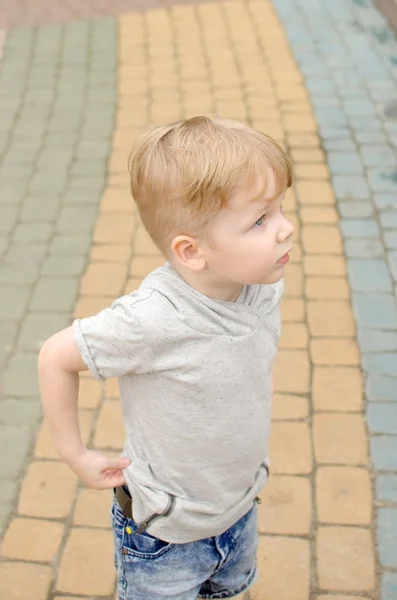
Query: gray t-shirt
{"x":195,"y":384}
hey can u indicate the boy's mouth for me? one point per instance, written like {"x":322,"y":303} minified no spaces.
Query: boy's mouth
{"x":284,"y":259}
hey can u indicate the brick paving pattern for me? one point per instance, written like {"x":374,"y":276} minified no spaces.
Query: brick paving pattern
{"x":66,"y":133}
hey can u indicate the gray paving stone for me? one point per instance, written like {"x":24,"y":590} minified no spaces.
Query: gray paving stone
{"x":386,"y":487}
{"x":20,"y":274}
{"x":377,"y":341}
{"x":20,"y":412}
{"x":370,"y":137}
{"x":8,"y":218}
{"x":363,"y":248}
{"x":53,"y":157}
{"x":92,"y":184}
{"x":54,"y":295}
{"x":345,"y":162}
{"x":384,"y":363}
{"x":76,"y":219}
{"x":13,"y":301}
{"x":38,"y":327}
{"x":8,"y":492}
{"x":385,"y":201}
{"x":349,"y":187}
{"x":18,"y":254}
{"x":89,"y":167}
{"x":390,"y":238}
{"x":3,"y":244}
{"x":378,"y":156}
{"x":382,"y":417}
{"x":42,"y":208}
{"x":389,"y":585}
{"x":392,"y":259}
{"x":20,"y":377}
{"x":383,"y":180}
{"x":368,"y":275}
{"x":70,"y":245}
{"x":8,"y":334}
{"x":61,"y":140}
{"x":387,"y":536}
{"x":69,"y":266}
{"x":47,"y":182}
{"x":388,"y":220}
{"x":375,"y":311}
{"x":79,"y":197}
{"x":12,"y":193}
{"x":381,"y":387}
{"x":359,"y":228}
{"x":26,"y":233}
{"x":14,"y":447}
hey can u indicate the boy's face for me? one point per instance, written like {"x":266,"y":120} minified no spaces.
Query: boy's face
{"x":250,"y":240}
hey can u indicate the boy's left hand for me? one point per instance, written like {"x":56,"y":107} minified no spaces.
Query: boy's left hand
{"x":97,"y":471}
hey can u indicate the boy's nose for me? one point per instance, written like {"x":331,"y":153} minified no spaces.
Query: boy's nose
{"x":286,"y":230}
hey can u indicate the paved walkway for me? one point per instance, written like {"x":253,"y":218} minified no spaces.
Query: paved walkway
{"x":316,"y":75}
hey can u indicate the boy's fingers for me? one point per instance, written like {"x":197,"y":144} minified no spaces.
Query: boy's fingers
{"x":117,"y":463}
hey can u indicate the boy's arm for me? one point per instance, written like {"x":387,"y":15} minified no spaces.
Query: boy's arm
{"x":59,"y":365}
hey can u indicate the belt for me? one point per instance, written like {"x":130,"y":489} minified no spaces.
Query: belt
{"x":125,"y":502}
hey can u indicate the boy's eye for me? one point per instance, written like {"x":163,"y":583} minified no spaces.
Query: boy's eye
{"x":260,"y":221}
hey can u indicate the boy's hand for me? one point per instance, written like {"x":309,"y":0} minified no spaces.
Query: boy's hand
{"x":98,"y":471}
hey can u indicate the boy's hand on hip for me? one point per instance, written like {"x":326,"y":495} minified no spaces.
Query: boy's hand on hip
{"x":97,"y":471}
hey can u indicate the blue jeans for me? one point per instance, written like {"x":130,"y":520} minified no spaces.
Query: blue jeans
{"x":151,"y":569}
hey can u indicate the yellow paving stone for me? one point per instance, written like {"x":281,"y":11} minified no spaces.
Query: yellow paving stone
{"x":290,"y":448}
{"x":132,"y":285}
{"x":87,"y":563}
{"x":45,"y":448}
{"x":296,"y":253}
{"x":87,"y":306}
{"x":286,"y":506}
{"x":303,"y":140}
{"x":293,"y":281}
{"x":344,"y":495}
{"x":109,"y":431}
{"x":289,"y":201}
{"x":24,"y":581}
{"x":293,"y":335}
{"x":117,"y":201}
{"x":90,"y":393}
{"x":304,"y":155}
{"x":288,"y":406}
{"x":318,"y":214}
{"x":299,"y":124}
{"x":292,"y":310}
{"x":339,"y":597}
{"x":103,"y":279}
{"x":324,"y":265}
{"x":112,"y":388}
{"x":114,"y":228}
{"x":112,"y":253}
{"x":336,"y":352}
{"x":283,"y":568}
{"x":311,"y":171}
{"x":32,"y":539}
{"x":330,"y":318}
{"x":321,"y":239}
{"x":143,"y":243}
{"x":327,"y":288}
{"x":48,"y":490}
{"x":340,"y":438}
{"x":345,"y":560}
{"x":291,"y":371}
{"x":143,"y":265}
{"x":93,"y":508}
{"x":337,"y":389}
{"x":315,"y":192}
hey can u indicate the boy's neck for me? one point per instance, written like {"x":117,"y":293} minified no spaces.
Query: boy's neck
{"x":226,"y":291}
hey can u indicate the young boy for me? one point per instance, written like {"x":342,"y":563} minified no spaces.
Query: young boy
{"x":193,"y":349}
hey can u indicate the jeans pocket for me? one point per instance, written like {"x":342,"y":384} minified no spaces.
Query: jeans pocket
{"x":143,"y":544}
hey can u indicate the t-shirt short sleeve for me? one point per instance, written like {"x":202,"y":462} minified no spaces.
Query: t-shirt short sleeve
{"x":113,"y":343}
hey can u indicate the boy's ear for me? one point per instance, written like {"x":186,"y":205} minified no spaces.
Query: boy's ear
{"x":187,"y":252}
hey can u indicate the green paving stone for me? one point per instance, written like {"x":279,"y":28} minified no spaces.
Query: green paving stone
{"x":21,"y":157}
{"x":78,"y":219}
{"x":65,"y":139}
{"x":18,"y":254}
{"x":18,"y":273}
{"x":26,"y":233}
{"x":80,"y":197}
{"x":92,"y":184}
{"x":19,"y":38}
{"x":8,"y":334}
{"x":8,"y":218}
{"x":38,"y":327}
{"x":54,"y":295}
{"x":19,"y":411}
{"x":13,"y":191}
{"x":68,"y":266}
{"x":15,"y":445}
{"x":40,"y":208}
{"x":15,"y":171}
{"x":3,"y":244}
{"x":29,"y":129}
{"x":70,"y":244}
{"x":13,"y":301}
{"x":38,"y":97}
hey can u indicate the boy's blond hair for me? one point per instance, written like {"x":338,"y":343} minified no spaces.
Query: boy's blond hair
{"x":182,"y":174}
